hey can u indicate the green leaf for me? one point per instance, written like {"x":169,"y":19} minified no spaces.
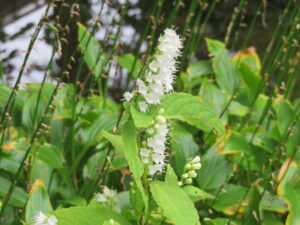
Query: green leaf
{"x":289,"y":189}
{"x":129,"y":62}
{"x":192,"y":110}
{"x":4,"y":94}
{"x":250,"y":81}
{"x":18,"y":197}
{"x":93,"y":52}
{"x":214,"y":170}
{"x":110,"y":222}
{"x":129,"y":134}
{"x":229,"y":200}
{"x":285,"y":114}
{"x":183,"y":145}
{"x":226,"y":75}
{"x":87,"y":215}
{"x":196,"y":194}
{"x":140,"y":119}
{"x":218,"y":221}
{"x":175,"y":203}
{"x":92,"y":134}
{"x":171,"y":177}
{"x":50,"y":155}
{"x":38,"y":201}
{"x":214,"y":46}
{"x":115,"y":140}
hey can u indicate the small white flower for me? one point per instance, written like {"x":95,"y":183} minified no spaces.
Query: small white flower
{"x":145,"y":152}
{"x":196,"y":159}
{"x":142,"y":88}
{"x":40,"y":218}
{"x":100,"y":198}
{"x":143,"y":106}
{"x":109,"y":193}
{"x":52,"y":220}
{"x":127,"y":96}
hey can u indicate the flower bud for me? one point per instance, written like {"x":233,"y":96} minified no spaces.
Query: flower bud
{"x":161,"y":111}
{"x":188,"y":181}
{"x":156,"y":126}
{"x":180,"y":183}
{"x":196,"y":159}
{"x":192,"y":173}
{"x":150,"y":131}
{"x":188,"y":166}
{"x":185,"y":175}
{"x":196,"y":166}
{"x":161,"y":119}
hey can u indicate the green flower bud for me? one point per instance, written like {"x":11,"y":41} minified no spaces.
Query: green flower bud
{"x":187,"y":166}
{"x":188,"y":181}
{"x":161,"y":111}
{"x":161,"y":119}
{"x":185,"y":175}
{"x":196,"y":166}
{"x":192,"y":173}
{"x":180,"y":183}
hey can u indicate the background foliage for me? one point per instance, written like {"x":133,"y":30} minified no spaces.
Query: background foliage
{"x":62,"y":141}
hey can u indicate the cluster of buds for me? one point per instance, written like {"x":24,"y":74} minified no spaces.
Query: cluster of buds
{"x":42,"y":219}
{"x":153,"y":148}
{"x":108,"y":198}
{"x":190,"y":171}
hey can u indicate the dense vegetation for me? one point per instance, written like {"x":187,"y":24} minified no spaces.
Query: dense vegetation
{"x":219,"y":147}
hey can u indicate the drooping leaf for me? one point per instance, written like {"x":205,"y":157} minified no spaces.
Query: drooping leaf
{"x":93,"y":52}
{"x":115,"y":140}
{"x":38,"y":200}
{"x":226,"y":75}
{"x":87,"y":215}
{"x":180,"y":209}
{"x":129,"y":134}
{"x":214,"y":170}
{"x":228,"y":201}
{"x":192,"y":110}
{"x":183,"y":145}
{"x":50,"y":155}
{"x":18,"y":197}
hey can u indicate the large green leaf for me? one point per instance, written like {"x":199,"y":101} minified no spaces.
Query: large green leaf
{"x":193,"y":110}
{"x":129,"y":134}
{"x":129,"y":62}
{"x":214,"y":170}
{"x":87,"y":215}
{"x":229,"y":200}
{"x":183,"y":145}
{"x":50,"y":155}
{"x":38,"y":200}
{"x":176,"y":205}
{"x":18,"y":197}
{"x":93,"y":52}
{"x":226,"y":75}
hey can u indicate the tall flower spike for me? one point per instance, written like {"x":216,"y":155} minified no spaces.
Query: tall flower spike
{"x":160,"y":72}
